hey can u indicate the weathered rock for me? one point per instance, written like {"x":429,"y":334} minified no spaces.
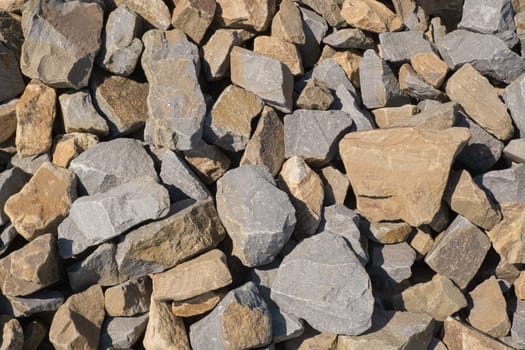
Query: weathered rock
{"x":329,"y":72}
{"x":61,"y":42}
{"x":79,"y":114}
{"x":392,"y":330}
{"x":519,"y":286}
{"x":280,"y":50}
{"x":7,"y":236}
{"x":69,"y":146}
{"x":349,"y":39}
{"x":370,"y":15}
{"x":216,"y":53}
{"x":194,"y":17}
{"x":515,"y":150}
{"x":335,"y":185}
{"x":34,"y":333}
{"x":314,"y":28}
{"x":513,"y":96}
{"x":422,"y":242}
{"x":350,"y":104}
{"x":313,"y":135}
{"x":12,"y":333}
{"x":438,"y":298}
{"x":518,"y":321}
{"x":506,"y":185}
{"x":329,"y":9}
{"x":487,"y":53}
{"x":254,"y":15}
{"x":163,"y":244}
{"x":129,"y":298}
{"x":391,"y":263}
{"x":258,"y":228}
{"x":274,"y":84}
{"x":430,"y":67}
{"x":312,"y":340}
{"x":41,"y":301}
{"x":413,"y":85}
{"x":11,"y":182}
{"x":401,"y":46}
{"x":458,"y":335}
{"x":387,"y":116}
{"x":11,"y":83}
{"x":380,"y":182}
{"x":349,"y":61}
{"x":240,"y":321}
{"x":287,"y":24}
{"x":77,"y":322}
{"x":121,"y":47}
{"x":8,"y":120}
{"x":208,"y":161}
{"x":35,"y":113}
{"x":164,"y":329}
{"x":29,"y":165}
{"x":389,"y":232}
{"x":335,"y":296}
{"x":155,"y":12}
{"x":507,"y":236}
{"x":519,"y":20}
{"x":36,"y":210}
{"x":197,"y":305}
{"x":112,"y":163}
{"x":459,"y":251}
{"x":122,"y":332}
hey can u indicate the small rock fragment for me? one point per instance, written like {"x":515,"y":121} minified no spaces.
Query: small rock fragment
{"x":401,"y":46}
{"x":79,"y":114}
{"x":413,"y":85}
{"x":208,"y":161}
{"x":389,"y":232}
{"x":8,"y":120}
{"x":329,"y":9}
{"x":29,"y":165}
{"x":194,"y":17}
{"x":11,"y":82}
{"x":507,"y":236}
{"x":386,"y":117}
{"x":513,"y":96}
{"x":129,"y":298}
{"x":11,"y":182}
{"x":315,"y":95}
{"x":430,"y":67}
{"x":216,"y":53}
{"x":122,"y":332}
{"x":329,"y":72}
{"x":391,"y":264}
{"x":12,"y":333}
{"x":506,"y":185}
{"x":254,"y":15}
{"x":155,"y":12}
{"x":42,"y":301}
{"x":335,"y":186}
{"x":164,"y":329}
{"x":458,"y":335}
{"x":69,"y":146}
{"x":280,"y":50}
{"x":197,"y":305}
{"x":370,"y":15}
{"x":287,"y":24}
{"x":349,"y":39}
{"x":515,"y":150}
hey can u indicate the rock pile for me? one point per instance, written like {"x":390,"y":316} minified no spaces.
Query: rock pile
{"x":262,"y":174}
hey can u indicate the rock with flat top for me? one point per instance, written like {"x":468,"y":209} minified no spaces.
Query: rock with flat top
{"x":401,"y":46}
{"x":389,"y":232}
{"x":515,"y":150}
{"x":194,"y":17}
{"x":287,"y":24}
{"x":390,"y":263}
{"x":370,"y":15}
{"x":505,"y":185}
{"x":216,"y":53}
{"x":430,"y":67}
{"x":79,"y":114}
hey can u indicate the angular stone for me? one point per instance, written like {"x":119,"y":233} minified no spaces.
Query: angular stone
{"x":438,"y":298}
{"x":164,"y":329}
{"x":481,"y":102}
{"x":155,"y":12}
{"x":287,"y":24}
{"x":197,"y":305}
{"x":513,"y":96}
{"x":216,"y":53}
{"x":129,"y":298}
{"x":34,"y":333}
{"x":441,"y":117}
{"x":229,"y":123}
{"x":458,"y":335}
{"x":515,"y":150}
{"x":8,"y":120}
{"x":314,"y":28}
{"x":176,"y":109}
{"x":383,"y":183}
{"x":41,"y":301}
{"x":389,"y":232}
{"x":392,"y":330}
{"x":335,"y":186}
{"x":266,"y":146}
{"x":12,"y":333}
{"x":254,"y":15}
{"x":208,"y":161}
{"x":36,"y":209}
{"x":413,"y":85}
{"x":349,"y":39}
{"x":35,"y":113}
{"x":69,"y":146}
{"x":29,"y":165}
{"x":519,"y":286}
{"x":312,"y":340}
{"x":122,"y":332}
{"x":506,"y":185}
{"x":112,"y":163}
{"x":78,"y":321}
{"x":430,"y":67}
{"x":194,"y":17}
{"x":518,"y":323}
{"x":507,"y":236}
{"x":274,"y":84}
{"x":391,"y":264}
{"x":313,"y":135}
{"x":335,"y":295}
{"x":487,"y":53}
{"x":61,"y":42}
{"x":280,"y":50}
{"x":79,"y":114}
{"x":379,"y":86}
{"x":422,"y":242}
{"x":519,"y":21}
{"x":121,"y":47}
{"x":163,"y":244}
{"x":11,"y":182}
{"x":97,"y":218}
{"x":11,"y":82}
{"x":370,"y":15}
{"x":7,"y":236}
{"x":329,"y":9}
{"x":12,"y":35}
{"x":349,"y":61}
{"x":387,"y":116}
{"x":329,"y":72}
{"x":401,"y":46}
{"x":258,"y":217}
{"x":240,"y":321}
{"x":459,"y":251}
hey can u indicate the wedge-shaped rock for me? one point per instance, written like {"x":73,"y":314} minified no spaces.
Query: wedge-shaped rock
{"x":208,"y":161}
{"x":11,"y":82}
{"x":197,"y":305}
{"x":388,"y":116}
{"x":515,"y":150}
{"x":129,"y":298}
{"x":122,"y":332}
{"x":323,"y":282}
{"x":430,"y":67}
{"x":79,"y":114}
{"x":45,"y":300}
{"x":315,"y":95}
{"x":390,"y":264}
{"x":67,"y":147}
{"x":389,"y":232}
{"x":513,"y":96}
{"x":459,"y":251}
{"x":388,"y":184}
{"x":163,"y":244}
{"x":12,"y":333}
{"x":370,"y":15}
{"x":508,"y":236}
{"x":98,"y":218}
{"x":155,"y":12}
{"x":314,"y":28}
{"x":240,"y":321}
{"x":254,"y":15}
{"x":287,"y":24}
{"x":349,"y":61}
{"x":349,"y":39}
{"x":194,"y":17}
{"x":506,"y":185}
{"x":413,"y":85}
{"x":335,"y":185}
{"x":164,"y":329}
{"x":258,"y":217}
{"x":329,"y":72}
{"x":7,"y":236}
{"x":216,"y":53}
{"x":280,"y":50}
{"x":401,"y":46}
{"x":61,"y":41}
{"x":8,"y":120}
{"x":458,"y":335}
{"x":11,"y":182}
{"x":329,"y":9}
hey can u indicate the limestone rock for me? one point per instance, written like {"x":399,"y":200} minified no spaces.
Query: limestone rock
{"x":8,"y":120}
{"x":35,"y":113}
{"x":314,"y":28}
{"x":391,"y":264}
{"x":258,"y":217}
{"x":441,"y":116}
{"x":254,"y":15}
{"x":208,"y":161}
{"x":12,"y":333}
{"x":122,"y":332}
{"x":29,"y":165}
{"x":506,"y":185}
{"x":386,"y":117}
{"x":164,"y":329}
{"x":216,"y":53}
{"x":401,"y":46}
{"x":329,"y":9}
{"x":129,"y":298}
{"x":515,"y":103}
{"x":280,"y":50}
{"x":36,"y":210}
{"x":329,"y":72}
{"x":519,"y":286}
{"x":287,"y":24}
{"x":11,"y":83}
{"x":11,"y":182}
{"x":155,"y":12}
{"x":389,"y":232}
{"x":382,"y":181}
{"x":335,"y":186}
{"x":197,"y":305}
{"x":69,"y":146}
{"x":458,"y":335}
{"x":515,"y":150}
{"x":413,"y":85}
{"x":7,"y":236}
{"x":349,"y":39}
{"x":45,"y":300}
{"x":430,"y":67}
{"x":312,"y":340}
{"x":79,"y":114}
{"x":61,"y":41}
{"x":370,"y":15}
{"x":194,"y":17}
{"x":349,"y":61}
{"x":507,"y":236}
{"x":349,"y":103}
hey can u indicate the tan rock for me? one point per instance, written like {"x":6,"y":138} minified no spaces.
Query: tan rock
{"x":328,"y":52}
{"x":519,"y":286}
{"x":154,"y":12}
{"x":397,"y":185}
{"x":203,"y":274}
{"x":69,"y":146}
{"x":389,"y":232}
{"x":280,"y":50}
{"x":465,"y":197}
{"x":208,"y":162}
{"x":430,"y":67}
{"x":248,"y":14}
{"x":43,"y":202}
{"x":312,"y":340}
{"x":349,"y":61}
{"x":506,"y":271}
{"x":421,"y":241}
{"x":129,"y":298}
{"x":287,"y":24}
{"x":335,"y":186}
{"x":216,"y":53}
{"x":385,"y":117}
{"x":442,"y":116}
{"x":315,"y":95}
{"x":370,"y":15}
{"x":35,"y":113}
{"x":306,"y":192}
{"x":76,"y":324}
{"x":165,"y":331}
{"x":197,"y":305}
{"x":266,"y":146}
{"x":459,"y":336}
{"x":481,"y":101}
{"x":194,"y":17}
{"x":11,"y":334}
{"x":508,"y":236}
{"x":329,"y":9}
{"x":8,"y":120}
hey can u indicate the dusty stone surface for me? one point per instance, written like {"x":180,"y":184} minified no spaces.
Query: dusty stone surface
{"x":252,"y":15}
{"x":349,"y":39}
{"x":128,"y":299}
{"x":329,"y":10}
{"x":197,"y":305}
{"x":287,"y":24}
{"x":8,"y":120}
{"x":314,"y":28}
{"x":164,"y":329}
{"x":513,"y":99}
{"x":349,"y":61}
{"x":69,"y":146}
{"x":507,"y":235}
{"x":389,"y":232}
{"x":216,"y":53}
{"x":79,"y":114}
{"x":390,"y":263}
{"x":155,"y":12}
{"x":401,"y":46}
{"x":208,"y":161}
{"x":44,"y":300}
{"x":194,"y":17}
{"x":413,"y":85}
{"x":430,"y":67}
{"x":12,"y":333}
{"x":458,"y":335}
{"x":505,"y":185}
{"x":370,"y":15}
{"x":519,"y":286}
{"x":335,"y":185}
{"x":122,"y":332}
{"x":280,"y":50}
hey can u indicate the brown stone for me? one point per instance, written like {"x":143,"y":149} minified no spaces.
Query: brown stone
{"x":459,"y":336}
{"x":421,"y":241}
{"x":8,"y":120}
{"x":397,"y":185}
{"x":35,"y":114}
{"x":335,"y":186}
{"x":287,"y":24}
{"x":216,"y":53}
{"x":197,"y":305}
{"x":266,"y":147}
{"x":208,"y":162}
{"x":508,"y":236}
{"x":389,"y":232}
{"x":165,"y":330}
{"x":76,"y":324}
{"x":329,"y":9}
{"x":129,"y":298}
{"x":69,"y":146}
{"x":43,"y":202}
{"x":349,"y":61}
{"x":414,"y":86}
{"x":328,"y":52}
{"x":385,"y":117}
{"x":248,"y":14}
{"x":280,"y":50}
{"x":370,"y":15}
{"x":315,"y":95}
{"x":11,"y":334}
{"x":442,"y":116}
{"x":154,"y":12}
{"x":312,"y":340}
{"x":519,"y":286}
{"x":481,"y":101}
{"x":430,"y":67}
{"x":194,"y":17}
{"x":203,"y":274}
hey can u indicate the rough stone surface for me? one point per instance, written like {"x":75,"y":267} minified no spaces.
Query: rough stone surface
{"x":335,"y":185}
{"x":329,"y":72}
{"x":401,"y":46}
{"x":515,"y":150}
{"x":312,"y":340}
{"x":208,"y":161}
{"x":350,"y":104}
{"x":8,"y":120}
{"x":7,"y":236}
{"x":329,"y":9}
{"x":370,"y":15}
{"x":194,"y":17}
{"x":349,"y":39}
{"x":12,"y":333}
{"x":413,"y":85}
{"x":130,"y":298}
{"x":287,"y":24}
{"x":155,"y":12}
{"x":513,"y":96}
{"x":69,"y":146}
{"x":45,"y":300}
{"x":216,"y":53}
{"x":389,"y":232}
{"x":79,"y":114}
{"x":11,"y":83}
{"x":519,"y":286}
{"x":507,"y":236}
{"x":349,"y":61}
{"x":518,"y":321}
{"x":314,"y":28}
{"x":164,"y":329}
{"x":430,"y":67}
{"x":254,"y":15}
{"x":122,"y":332}
{"x":280,"y":50}
{"x":11,"y":182}
{"x":458,"y":335}
{"x":387,"y":116}
{"x":29,"y":164}
{"x":197,"y":305}
{"x":506,"y":185}
{"x":391,"y":263}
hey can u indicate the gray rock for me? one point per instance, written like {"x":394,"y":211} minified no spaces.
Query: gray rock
{"x":29,"y":164}
{"x":257,"y":215}
{"x":180,"y":180}
{"x":391,"y":263}
{"x":347,"y":102}
{"x":122,"y":332}
{"x":61,"y":41}
{"x":515,"y":150}
{"x":314,"y":28}
{"x":352,"y":38}
{"x":97,"y":218}
{"x":513,"y":96}
{"x":11,"y":83}
{"x":517,"y":331}
{"x":176,"y":107}
{"x":440,"y":116}
{"x":425,"y":105}
{"x":459,"y":251}
{"x":240,"y":321}
{"x":98,"y":267}
{"x":506,"y":185}
{"x":323,"y":282}
{"x":329,"y":72}
{"x":486,"y":52}
{"x":519,"y":21}
{"x":112,"y":163}
{"x":80,"y":115}
{"x":313,"y":135}
{"x":379,"y":86}
{"x":121,"y":47}
{"x":401,"y":46}
{"x":45,"y":300}
{"x":7,"y":235}
{"x":130,"y":298}
{"x":11,"y":182}
{"x":413,"y":85}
